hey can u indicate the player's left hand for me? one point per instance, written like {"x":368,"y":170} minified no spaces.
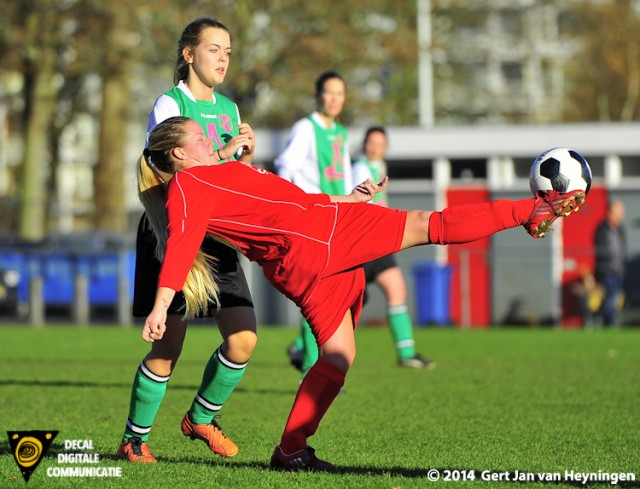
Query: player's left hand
{"x":245,"y":129}
{"x":368,"y":189}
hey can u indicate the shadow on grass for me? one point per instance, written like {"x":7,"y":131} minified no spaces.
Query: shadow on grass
{"x":5,"y":449}
{"x":408,"y":473}
{"x":427,"y":474}
{"x":82,"y":384}
{"x":405,"y":472}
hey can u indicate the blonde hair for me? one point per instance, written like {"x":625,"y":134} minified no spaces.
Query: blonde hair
{"x":155,"y":169}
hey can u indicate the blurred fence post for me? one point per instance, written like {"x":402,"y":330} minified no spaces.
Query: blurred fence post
{"x":465,"y":289}
{"x":124,"y":301}
{"x":81,"y":292}
{"x":36,"y":299}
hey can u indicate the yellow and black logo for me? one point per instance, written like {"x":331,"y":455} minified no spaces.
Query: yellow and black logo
{"x":28,"y":448}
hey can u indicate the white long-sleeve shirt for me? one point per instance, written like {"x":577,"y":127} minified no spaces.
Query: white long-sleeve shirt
{"x":298,"y":162}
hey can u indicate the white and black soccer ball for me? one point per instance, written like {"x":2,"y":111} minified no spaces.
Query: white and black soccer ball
{"x":560,"y":169}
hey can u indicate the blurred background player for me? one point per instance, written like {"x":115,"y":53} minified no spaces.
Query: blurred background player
{"x":610,"y":245}
{"x":316,"y":159}
{"x":204,"y":51}
{"x":385,"y":272}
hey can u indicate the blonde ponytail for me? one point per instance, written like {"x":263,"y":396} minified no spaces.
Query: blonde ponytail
{"x":200,"y":287}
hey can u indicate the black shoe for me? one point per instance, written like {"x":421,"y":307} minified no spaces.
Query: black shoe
{"x":295,"y":357}
{"x":417,"y":361}
{"x":304,"y":459}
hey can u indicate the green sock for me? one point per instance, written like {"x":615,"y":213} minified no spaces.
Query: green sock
{"x":220,"y":378}
{"x":146,"y":396}
{"x":310,"y":356}
{"x":401,"y":331}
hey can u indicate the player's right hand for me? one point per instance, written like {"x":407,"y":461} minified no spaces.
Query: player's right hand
{"x":368,"y":189}
{"x":154,"y":326}
{"x":235,"y":144}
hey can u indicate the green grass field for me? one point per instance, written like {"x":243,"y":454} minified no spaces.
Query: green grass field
{"x":500,"y":400}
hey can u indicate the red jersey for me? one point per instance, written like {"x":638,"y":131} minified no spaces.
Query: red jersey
{"x":274,"y":223}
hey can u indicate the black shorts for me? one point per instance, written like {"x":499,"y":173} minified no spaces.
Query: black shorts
{"x":234,"y":290}
{"x":374,"y":268}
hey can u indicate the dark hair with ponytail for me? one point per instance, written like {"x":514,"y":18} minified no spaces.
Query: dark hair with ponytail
{"x":190,"y":38}
{"x":323,"y":78}
{"x":370,"y":131}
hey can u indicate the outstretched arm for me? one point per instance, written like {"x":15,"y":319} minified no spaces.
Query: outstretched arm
{"x":363,"y":192}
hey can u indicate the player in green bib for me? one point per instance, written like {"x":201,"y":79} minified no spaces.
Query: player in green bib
{"x":219,"y":116}
{"x":202,"y":62}
{"x":316,"y":158}
{"x":385,"y":272}
{"x":330,"y":149}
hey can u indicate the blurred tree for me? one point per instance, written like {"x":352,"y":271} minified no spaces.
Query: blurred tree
{"x":119,"y":21}
{"x":124,"y":38}
{"x":60,"y":48}
{"x":604,"y":80}
{"x":282,"y":47}
{"x":38,"y":27}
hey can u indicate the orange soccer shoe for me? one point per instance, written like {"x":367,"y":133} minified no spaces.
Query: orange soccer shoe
{"x":211,"y":434}
{"x":304,"y":459}
{"x":135,"y":450}
{"x":551,"y":206}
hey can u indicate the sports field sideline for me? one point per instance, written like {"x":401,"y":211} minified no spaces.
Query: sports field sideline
{"x":503,"y":403}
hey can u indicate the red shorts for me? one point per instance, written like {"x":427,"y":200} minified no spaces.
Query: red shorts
{"x":363,"y":233}
{"x":332,"y":297}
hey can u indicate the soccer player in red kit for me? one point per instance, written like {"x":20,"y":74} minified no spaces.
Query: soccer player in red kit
{"x":310,"y":247}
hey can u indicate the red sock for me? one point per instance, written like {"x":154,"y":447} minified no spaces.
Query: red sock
{"x":317,"y":391}
{"x":464,"y":223}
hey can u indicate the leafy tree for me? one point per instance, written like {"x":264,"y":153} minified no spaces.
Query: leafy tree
{"x":282,"y":46}
{"x":113,"y":41}
{"x":60,"y":47}
{"x":37,"y":33}
{"x":604,"y":80}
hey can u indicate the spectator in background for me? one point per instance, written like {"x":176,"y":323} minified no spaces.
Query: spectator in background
{"x":611,"y":254}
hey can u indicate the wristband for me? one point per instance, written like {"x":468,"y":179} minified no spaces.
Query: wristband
{"x":220,"y":158}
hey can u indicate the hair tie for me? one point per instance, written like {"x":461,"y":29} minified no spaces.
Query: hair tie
{"x":147,"y":157}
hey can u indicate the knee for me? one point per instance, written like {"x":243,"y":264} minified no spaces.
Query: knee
{"x":172,"y":351}
{"x":422,"y":222}
{"x":165,"y":351}
{"x":393,"y":286}
{"x":342,"y":359}
{"x":240,"y":346}
{"x":416,"y":229}
{"x":163,"y":361}
{"x":351,"y":358}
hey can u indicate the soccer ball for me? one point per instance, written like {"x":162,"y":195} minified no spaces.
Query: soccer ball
{"x":560,"y":169}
